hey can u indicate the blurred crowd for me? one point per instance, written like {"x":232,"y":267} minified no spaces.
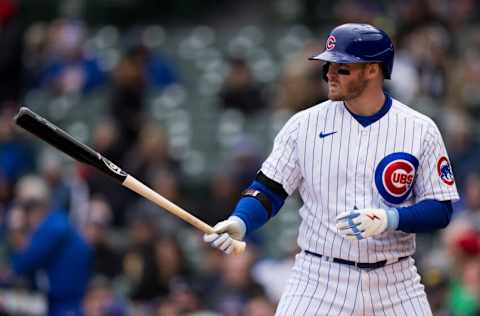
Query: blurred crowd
{"x":132,"y":258}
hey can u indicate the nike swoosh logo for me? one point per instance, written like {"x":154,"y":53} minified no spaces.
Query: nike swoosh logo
{"x":322,"y":134}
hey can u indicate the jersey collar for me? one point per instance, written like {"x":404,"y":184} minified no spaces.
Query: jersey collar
{"x":370,"y":119}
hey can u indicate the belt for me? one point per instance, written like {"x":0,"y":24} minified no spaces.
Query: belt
{"x":361,"y":265}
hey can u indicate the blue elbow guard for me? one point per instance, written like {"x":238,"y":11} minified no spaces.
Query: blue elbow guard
{"x":257,"y":205}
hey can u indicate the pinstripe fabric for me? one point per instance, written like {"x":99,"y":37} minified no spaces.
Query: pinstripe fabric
{"x":393,"y":290}
{"x":336,"y":173}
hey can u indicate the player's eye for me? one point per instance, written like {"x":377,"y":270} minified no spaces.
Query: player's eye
{"x":344,"y":72}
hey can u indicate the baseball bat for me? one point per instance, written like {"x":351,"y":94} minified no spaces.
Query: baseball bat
{"x":58,"y":138}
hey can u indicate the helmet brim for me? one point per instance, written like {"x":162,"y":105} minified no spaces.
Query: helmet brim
{"x":338,"y":58}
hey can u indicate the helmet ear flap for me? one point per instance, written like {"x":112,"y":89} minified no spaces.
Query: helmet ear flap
{"x":385,"y":71}
{"x":325,"y":68}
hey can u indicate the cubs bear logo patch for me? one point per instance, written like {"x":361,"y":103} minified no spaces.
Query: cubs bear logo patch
{"x":395,"y":175}
{"x":445,"y":171}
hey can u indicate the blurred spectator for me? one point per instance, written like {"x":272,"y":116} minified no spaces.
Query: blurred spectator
{"x":245,"y":161}
{"x":102,"y":301}
{"x":174,"y":273}
{"x":68,"y":70}
{"x":301,"y":82}
{"x":223,"y":190}
{"x":465,"y":282}
{"x":52,"y":171}
{"x":138,"y":70}
{"x":429,"y":47}
{"x":139,"y":261}
{"x":11,"y":65}
{"x":167,"y":307}
{"x":436,"y":287}
{"x":240,"y":91}
{"x":35,"y":43}
{"x":5,"y":199}
{"x":412,"y":14}
{"x":235,"y":285}
{"x":259,"y":306}
{"x":16,"y":153}
{"x":17,"y":223}
{"x":107,"y":261}
{"x":128,"y":97}
{"x":159,"y":70}
{"x":152,"y":152}
{"x":472,"y":200}
{"x":157,"y":269}
{"x":6,"y":192}
{"x":51,"y":245}
{"x":68,"y":190}
{"x":184,"y":297}
{"x":465,"y":73}
{"x":354,"y":10}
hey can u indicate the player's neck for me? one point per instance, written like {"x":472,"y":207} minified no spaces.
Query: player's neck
{"x":368,"y":103}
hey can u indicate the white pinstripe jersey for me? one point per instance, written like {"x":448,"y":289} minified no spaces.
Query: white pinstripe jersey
{"x":396,"y":161}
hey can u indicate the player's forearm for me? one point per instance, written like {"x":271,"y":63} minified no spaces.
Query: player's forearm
{"x":256,"y":211}
{"x":425,"y":216}
{"x":252,"y":213}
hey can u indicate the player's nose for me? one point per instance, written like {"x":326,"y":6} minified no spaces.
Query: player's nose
{"x":332,"y":74}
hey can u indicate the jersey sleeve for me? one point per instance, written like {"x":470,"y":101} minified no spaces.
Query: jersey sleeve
{"x":282,"y":164}
{"x":435,"y":178}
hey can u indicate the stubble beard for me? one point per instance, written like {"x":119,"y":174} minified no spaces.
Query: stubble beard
{"x":353,"y":90}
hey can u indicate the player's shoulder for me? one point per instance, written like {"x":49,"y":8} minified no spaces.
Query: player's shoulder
{"x":318,"y":109}
{"x":406,"y":112}
{"x":321,"y":108}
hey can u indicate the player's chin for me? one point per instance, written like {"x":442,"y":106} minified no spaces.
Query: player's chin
{"x":335,"y":96}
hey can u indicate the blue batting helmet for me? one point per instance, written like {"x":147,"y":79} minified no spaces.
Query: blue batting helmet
{"x":354,"y":43}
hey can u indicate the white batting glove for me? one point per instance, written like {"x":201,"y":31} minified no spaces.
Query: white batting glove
{"x":225,"y":233}
{"x":365,"y":223}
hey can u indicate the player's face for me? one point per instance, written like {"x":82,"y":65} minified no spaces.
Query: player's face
{"x":346,"y":81}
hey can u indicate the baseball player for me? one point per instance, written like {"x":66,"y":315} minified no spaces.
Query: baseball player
{"x":371,"y":172}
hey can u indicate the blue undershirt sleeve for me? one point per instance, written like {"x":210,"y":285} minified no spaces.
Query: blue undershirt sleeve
{"x":425,"y":216}
{"x":251,"y":210}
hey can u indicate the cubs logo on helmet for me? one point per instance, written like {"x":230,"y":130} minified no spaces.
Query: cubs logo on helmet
{"x":445,"y":171}
{"x":395,"y":175}
{"x":331,"y":40}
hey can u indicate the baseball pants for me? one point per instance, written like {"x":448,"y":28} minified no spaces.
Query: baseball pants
{"x":320,"y":287}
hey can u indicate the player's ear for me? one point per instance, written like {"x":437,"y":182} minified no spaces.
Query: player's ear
{"x":374,"y":70}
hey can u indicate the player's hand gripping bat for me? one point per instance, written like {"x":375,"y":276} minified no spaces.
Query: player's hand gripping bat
{"x":64,"y":142}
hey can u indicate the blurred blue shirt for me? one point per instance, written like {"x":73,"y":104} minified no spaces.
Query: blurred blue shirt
{"x":58,"y":249}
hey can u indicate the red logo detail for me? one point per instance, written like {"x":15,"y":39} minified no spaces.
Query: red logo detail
{"x":398,"y":177}
{"x":445,"y":171}
{"x":373,"y":217}
{"x":331,"y":40}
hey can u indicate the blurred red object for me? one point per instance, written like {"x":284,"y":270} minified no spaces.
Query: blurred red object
{"x":469,"y":243}
{"x":8,"y":8}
